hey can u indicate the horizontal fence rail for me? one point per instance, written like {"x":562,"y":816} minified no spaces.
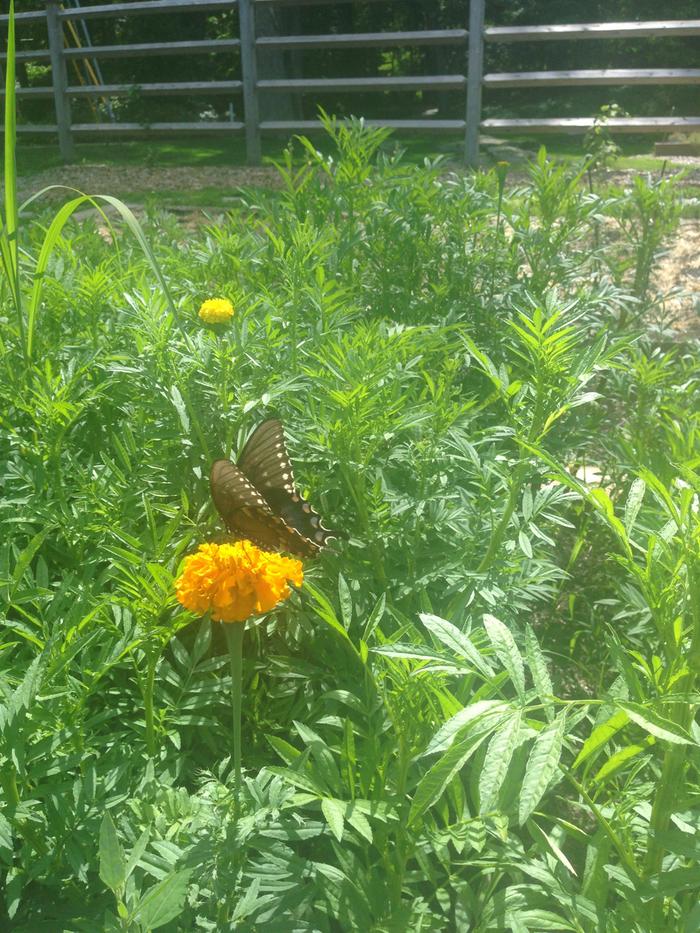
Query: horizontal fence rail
{"x":671,"y":27}
{"x":365,"y":40}
{"x":581,"y":124}
{"x":473,"y":37}
{"x":343,"y":85}
{"x":594,"y":77}
{"x":146,"y":7}
{"x":309,"y":126}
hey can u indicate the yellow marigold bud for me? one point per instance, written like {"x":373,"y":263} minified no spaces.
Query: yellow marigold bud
{"x":235,"y":581}
{"x":216,"y":311}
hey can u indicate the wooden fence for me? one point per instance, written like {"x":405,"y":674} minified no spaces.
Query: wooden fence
{"x":472,"y":38}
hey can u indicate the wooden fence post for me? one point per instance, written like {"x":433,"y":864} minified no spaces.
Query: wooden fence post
{"x":59,"y":80}
{"x":250,"y":81}
{"x":475,"y":65}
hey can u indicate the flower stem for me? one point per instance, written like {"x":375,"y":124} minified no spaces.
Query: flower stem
{"x":234,"y":639}
{"x":148,"y":688}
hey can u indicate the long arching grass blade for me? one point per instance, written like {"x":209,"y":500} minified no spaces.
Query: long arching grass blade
{"x":53,"y":234}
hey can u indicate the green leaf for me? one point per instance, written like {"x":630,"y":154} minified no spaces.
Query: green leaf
{"x":525,"y":545}
{"x":432,"y":785}
{"x":507,"y":651}
{"x":345,"y":599}
{"x":456,"y":641}
{"x":27,"y":555}
{"x":616,"y":761}
{"x":334,"y":812}
{"x":494,"y":711}
{"x":164,"y":901}
{"x":358,"y":821}
{"x":180,"y":408}
{"x":24,"y":694}
{"x":605,"y":507}
{"x":112,"y":861}
{"x":601,"y":735}
{"x":540,"y":674}
{"x":325,"y":611}
{"x":374,"y":618}
{"x":541,"y":766}
{"x":634,"y":503}
{"x":137,"y":851}
{"x":248,"y":902}
{"x":555,"y":849}
{"x":656,"y":725}
{"x":497,"y":761}
{"x":6,"y":843}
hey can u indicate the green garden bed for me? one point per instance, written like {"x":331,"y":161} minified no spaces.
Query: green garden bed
{"x":477,"y":711}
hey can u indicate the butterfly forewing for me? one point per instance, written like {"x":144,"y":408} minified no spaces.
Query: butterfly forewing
{"x":265,"y":460}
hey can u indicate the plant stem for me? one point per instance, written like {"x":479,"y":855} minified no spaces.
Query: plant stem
{"x":502,"y":526}
{"x":234,"y":639}
{"x":672,"y":771}
{"x":9,"y":785}
{"x":148,"y":704}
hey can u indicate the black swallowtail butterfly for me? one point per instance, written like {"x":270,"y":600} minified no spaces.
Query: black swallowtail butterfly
{"x":257,"y":499}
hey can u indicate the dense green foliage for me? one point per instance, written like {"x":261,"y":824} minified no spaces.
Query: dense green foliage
{"x":478,"y":712}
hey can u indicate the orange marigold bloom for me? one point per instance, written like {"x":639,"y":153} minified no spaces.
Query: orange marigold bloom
{"x":235,"y":581}
{"x":216,"y":311}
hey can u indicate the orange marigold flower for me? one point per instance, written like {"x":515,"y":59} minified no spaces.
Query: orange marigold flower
{"x":235,"y":581}
{"x":216,"y":311}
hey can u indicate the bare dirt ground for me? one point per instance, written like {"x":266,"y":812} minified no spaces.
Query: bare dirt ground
{"x":678,"y":270}
{"x":143,"y":181}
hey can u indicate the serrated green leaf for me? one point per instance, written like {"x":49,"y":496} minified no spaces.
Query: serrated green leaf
{"x":432,"y":785}
{"x":493,"y":711}
{"x":497,"y":761}
{"x":6,"y":840}
{"x":180,"y":408}
{"x":506,"y":651}
{"x":247,"y":904}
{"x":634,"y":503}
{"x":334,"y":812}
{"x":456,"y":641}
{"x":540,"y":674}
{"x":541,"y":766}
{"x":656,"y":725}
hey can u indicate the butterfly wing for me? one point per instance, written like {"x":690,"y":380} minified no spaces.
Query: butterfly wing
{"x":265,"y":460}
{"x":266,"y":464}
{"x":247,"y":515}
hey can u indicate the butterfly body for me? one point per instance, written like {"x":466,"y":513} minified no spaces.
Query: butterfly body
{"x":257,"y":499}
